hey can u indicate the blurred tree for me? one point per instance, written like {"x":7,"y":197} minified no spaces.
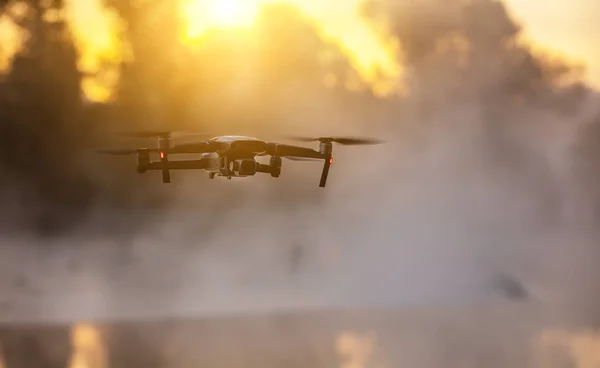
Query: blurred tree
{"x":41,"y":107}
{"x":156,"y":86}
{"x":28,"y":347}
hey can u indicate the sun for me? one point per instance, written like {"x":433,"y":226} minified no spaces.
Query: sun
{"x":201,"y":15}
{"x":233,"y":12}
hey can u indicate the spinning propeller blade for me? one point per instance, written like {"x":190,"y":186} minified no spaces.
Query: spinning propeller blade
{"x":341,"y":140}
{"x":123,"y":151}
{"x":194,"y":147}
{"x":151,"y":134}
{"x":349,"y":141}
{"x":164,"y":147}
{"x":293,"y":158}
{"x":163,"y":134}
{"x":325,"y":148}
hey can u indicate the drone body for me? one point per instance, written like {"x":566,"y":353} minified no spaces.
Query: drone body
{"x":231,"y":156}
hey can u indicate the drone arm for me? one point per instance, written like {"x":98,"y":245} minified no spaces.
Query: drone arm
{"x":191,"y":148}
{"x":197,"y":147}
{"x":266,"y":169}
{"x":285,"y":150}
{"x":180,"y":165}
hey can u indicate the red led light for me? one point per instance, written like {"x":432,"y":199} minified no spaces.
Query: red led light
{"x":162,"y":155}
{"x":330,"y":160}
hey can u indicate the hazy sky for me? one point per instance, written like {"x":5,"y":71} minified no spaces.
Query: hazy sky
{"x":571,"y":27}
{"x":567,"y":27}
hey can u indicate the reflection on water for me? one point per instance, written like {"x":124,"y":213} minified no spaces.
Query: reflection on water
{"x":88,"y":347}
{"x":557,"y":349}
{"x":354,"y":350}
{"x":350,"y":349}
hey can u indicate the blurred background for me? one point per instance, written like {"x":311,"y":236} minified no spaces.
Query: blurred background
{"x":469,"y":239}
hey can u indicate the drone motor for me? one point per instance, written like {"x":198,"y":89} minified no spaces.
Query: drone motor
{"x":275,"y":166}
{"x":143,"y":161}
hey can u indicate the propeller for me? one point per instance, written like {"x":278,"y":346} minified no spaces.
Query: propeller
{"x":148,"y":134}
{"x":163,"y":134}
{"x":341,"y":140}
{"x":200,"y":147}
{"x":325,"y":148}
{"x":293,"y":158}
{"x":194,"y":147}
{"x":123,"y":151}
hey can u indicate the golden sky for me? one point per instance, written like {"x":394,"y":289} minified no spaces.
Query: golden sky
{"x":563,"y":27}
{"x":569,"y":27}
{"x":336,"y":20}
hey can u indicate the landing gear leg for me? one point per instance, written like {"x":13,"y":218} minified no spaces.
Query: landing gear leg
{"x":211,"y":175}
{"x":275,"y":163}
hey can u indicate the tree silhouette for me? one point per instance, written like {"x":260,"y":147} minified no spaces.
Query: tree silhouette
{"x":41,"y":108}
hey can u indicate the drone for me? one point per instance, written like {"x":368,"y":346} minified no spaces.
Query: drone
{"x":231,"y":155}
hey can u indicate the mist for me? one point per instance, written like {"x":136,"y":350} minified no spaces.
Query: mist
{"x":486,"y":184}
